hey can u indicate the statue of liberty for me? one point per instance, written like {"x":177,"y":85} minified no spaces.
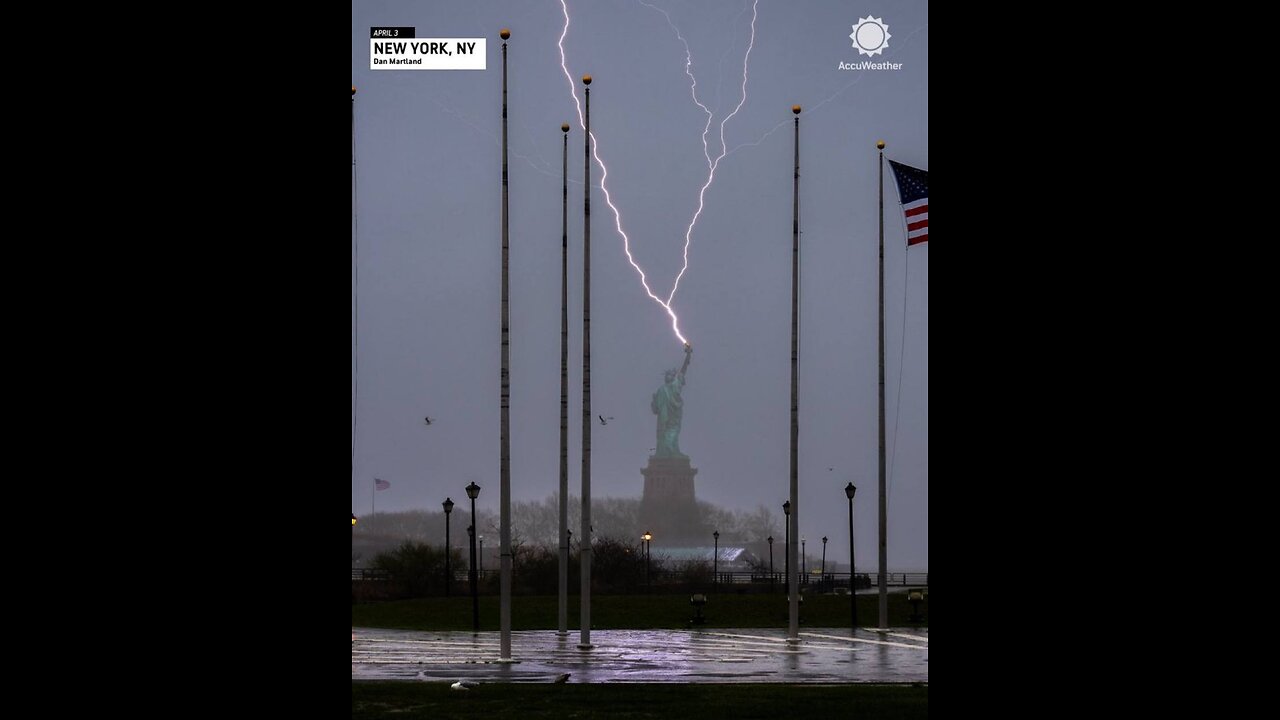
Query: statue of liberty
{"x":669,"y":407}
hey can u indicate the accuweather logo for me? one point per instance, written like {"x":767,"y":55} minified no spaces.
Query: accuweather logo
{"x":870,"y":37}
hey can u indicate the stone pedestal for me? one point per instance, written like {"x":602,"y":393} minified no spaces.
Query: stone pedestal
{"x":668,"y":508}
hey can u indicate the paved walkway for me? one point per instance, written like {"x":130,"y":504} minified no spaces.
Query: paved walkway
{"x":676,"y":656}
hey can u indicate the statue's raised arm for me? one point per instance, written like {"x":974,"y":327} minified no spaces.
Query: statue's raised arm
{"x":688,"y":354}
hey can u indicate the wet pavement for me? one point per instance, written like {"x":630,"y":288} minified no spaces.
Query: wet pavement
{"x":677,"y":656}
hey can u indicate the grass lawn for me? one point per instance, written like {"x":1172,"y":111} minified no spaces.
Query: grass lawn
{"x":634,"y":612}
{"x":409,"y":700}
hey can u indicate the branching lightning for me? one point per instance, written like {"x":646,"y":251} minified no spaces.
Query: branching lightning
{"x":617,"y":216}
{"x":712,"y":163}
{"x":541,"y":165}
{"x":693,"y":81}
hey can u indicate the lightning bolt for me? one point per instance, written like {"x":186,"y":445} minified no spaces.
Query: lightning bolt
{"x":693,"y":81}
{"x":711,"y":164}
{"x":617,"y":216}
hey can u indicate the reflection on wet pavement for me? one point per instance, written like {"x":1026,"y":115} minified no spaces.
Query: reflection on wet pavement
{"x":756,"y":655}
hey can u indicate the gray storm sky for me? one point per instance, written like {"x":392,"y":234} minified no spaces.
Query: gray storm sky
{"x":429,"y":256}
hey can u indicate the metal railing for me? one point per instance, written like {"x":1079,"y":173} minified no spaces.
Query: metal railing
{"x":831,"y":579}
{"x":745,"y":577}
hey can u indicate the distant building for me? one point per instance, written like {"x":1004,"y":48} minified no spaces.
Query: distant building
{"x":732,"y":559}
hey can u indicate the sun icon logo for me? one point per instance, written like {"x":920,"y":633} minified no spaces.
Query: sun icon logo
{"x":870,"y":36}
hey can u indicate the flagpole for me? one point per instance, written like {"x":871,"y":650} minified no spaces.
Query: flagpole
{"x":563,"y":608}
{"x":504,"y":615}
{"x":355,"y":297}
{"x":793,"y":595}
{"x":584,"y":540}
{"x":884,"y":508}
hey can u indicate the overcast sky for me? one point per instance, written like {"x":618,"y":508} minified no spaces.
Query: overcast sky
{"x":427,"y":231}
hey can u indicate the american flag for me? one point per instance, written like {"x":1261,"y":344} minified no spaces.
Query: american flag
{"x":913,"y":189}
{"x":381,"y":484}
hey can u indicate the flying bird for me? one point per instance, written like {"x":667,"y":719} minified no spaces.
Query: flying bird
{"x":561,"y":679}
{"x":428,"y":420}
{"x":604,"y":420}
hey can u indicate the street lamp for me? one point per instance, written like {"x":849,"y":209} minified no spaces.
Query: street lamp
{"x":473,"y":492}
{"x":448,"y":508}
{"x":770,"y":539}
{"x":822,"y":574}
{"x":849,"y":490}
{"x":786,"y":554}
{"x":648,"y":540}
{"x":471,"y":577}
{"x":715,"y":563}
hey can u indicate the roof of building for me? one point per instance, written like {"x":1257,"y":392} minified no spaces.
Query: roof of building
{"x":727,"y":554}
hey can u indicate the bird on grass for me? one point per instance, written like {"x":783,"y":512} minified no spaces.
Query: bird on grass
{"x":464,"y":685}
{"x":561,"y":679}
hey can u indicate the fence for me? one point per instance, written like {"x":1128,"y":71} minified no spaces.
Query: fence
{"x":821,"y":583}
{"x":829,"y":580}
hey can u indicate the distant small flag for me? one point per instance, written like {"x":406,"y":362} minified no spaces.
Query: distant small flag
{"x":913,"y":189}
{"x":381,"y":484}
